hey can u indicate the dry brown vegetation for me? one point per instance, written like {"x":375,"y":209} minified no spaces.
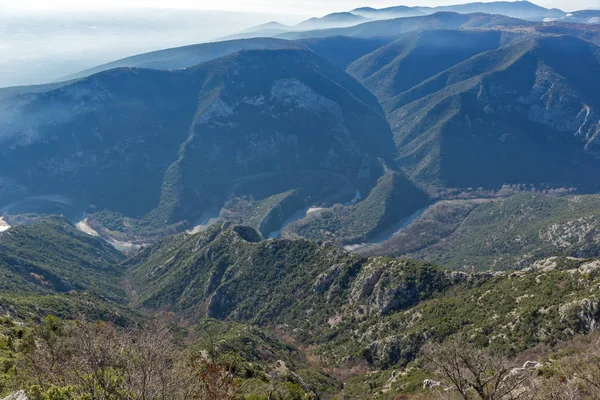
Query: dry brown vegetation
{"x":99,"y":361}
{"x":570,"y":372}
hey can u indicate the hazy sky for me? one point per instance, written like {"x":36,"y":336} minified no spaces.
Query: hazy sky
{"x":304,"y":7}
{"x":38,"y":46}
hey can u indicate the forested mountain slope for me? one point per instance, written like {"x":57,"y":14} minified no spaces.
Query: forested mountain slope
{"x":179,"y":141}
{"x":521,"y":113}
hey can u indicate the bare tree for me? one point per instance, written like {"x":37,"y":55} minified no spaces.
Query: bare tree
{"x":584,"y":367}
{"x":99,"y":361}
{"x":46,"y":352}
{"x":153,"y":363}
{"x":552,"y":388}
{"x":470,"y":370}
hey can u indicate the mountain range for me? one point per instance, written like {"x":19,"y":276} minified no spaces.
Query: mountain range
{"x":518,"y":102}
{"x":178,"y":140}
{"x":392,"y":115}
{"x":310,"y":213}
{"x":308,"y":312}
{"x":523,"y":10}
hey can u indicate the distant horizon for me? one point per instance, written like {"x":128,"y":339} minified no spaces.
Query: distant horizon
{"x":275,"y":7}
{"x":41,"y":45}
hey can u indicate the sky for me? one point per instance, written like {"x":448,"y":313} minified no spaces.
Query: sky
{"x":39,"y":46}
{"x":301,"y":7}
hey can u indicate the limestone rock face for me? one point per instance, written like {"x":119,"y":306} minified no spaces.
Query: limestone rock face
{"x":20,"y":395}
{"x":531,"y":365}
{"x":584,"y":315}
{"x":326,"y":279}
{"x":384,"y":286}
{"x":430,"y":384}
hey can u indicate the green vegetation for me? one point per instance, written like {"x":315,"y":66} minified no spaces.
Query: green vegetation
{"x":50,"y":255}
{"x":436,"y":223}
{"x":270,"y":365}
{"x":253,"y":203}
{"x":49,"y":267}
{"x":11,"y":335}
{"x":377,"y":310}
{"x":59,"y":359}
{"x":392,"y":199}
{"x":451,"y":96}
{"x":202,"y":275}
{"x":510,"y":312}
{"x":296,"y":317}
{"x":515,"y":232}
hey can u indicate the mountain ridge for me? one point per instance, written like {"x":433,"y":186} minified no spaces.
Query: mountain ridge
{"x":465,"y":83}
{"x":184,"y":114}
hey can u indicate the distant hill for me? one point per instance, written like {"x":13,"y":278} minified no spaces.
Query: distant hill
{"x":406,"y":62}
{"x":583,"y":17}
{"x":273,"y":25}
{"x":335,"y":20}
{"x":589,"y":32}
{"x":400,"y":26}
{"x":387,"y":13}
{"x":186,"y":56}
{"x":343,"y":50}
{"x":270,"y":29}
{"x":339,"y":50}
{"x":516,"y":9}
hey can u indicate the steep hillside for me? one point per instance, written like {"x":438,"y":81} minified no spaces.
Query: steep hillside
{"x":200,"y":275}
{"x":515,"y":232}
{"x":356,"y":309}
{"x":522,"y":113}
{"x":181,"y":143}
{"x":52,"y":256}
{"x":508,"y":312}
{"x":299,"y":114}
{"x":341,"y":51}
{"x":128,"y":131}
{"x":49,"y":267}
{"x":406,"y":62}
